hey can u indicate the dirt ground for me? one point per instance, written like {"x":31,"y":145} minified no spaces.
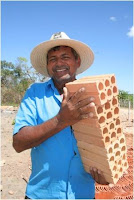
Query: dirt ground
{"x":16,"y":167}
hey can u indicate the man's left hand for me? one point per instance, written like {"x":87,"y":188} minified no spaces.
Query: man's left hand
{"x":98,"y":176}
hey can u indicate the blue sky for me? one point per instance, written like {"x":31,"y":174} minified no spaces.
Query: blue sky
{"x":106,"y":26}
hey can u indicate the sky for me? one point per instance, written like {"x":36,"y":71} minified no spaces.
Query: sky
{"x":105,"y":26}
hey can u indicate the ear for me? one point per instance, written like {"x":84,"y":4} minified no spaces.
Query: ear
{"x":78,"y":62}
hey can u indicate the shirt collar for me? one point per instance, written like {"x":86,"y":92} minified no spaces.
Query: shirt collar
{"x":50,"y":83}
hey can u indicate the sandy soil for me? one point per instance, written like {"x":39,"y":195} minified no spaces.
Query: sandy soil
{"x":16,"y":168}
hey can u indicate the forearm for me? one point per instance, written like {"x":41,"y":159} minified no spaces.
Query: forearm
{"x":32,"y":136}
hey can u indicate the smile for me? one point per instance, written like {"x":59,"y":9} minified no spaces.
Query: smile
{"x":61,"y":70}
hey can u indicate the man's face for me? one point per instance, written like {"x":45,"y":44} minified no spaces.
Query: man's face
{"x":62,"y":64}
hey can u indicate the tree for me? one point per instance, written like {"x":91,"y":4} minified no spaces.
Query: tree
{"x":16,"y":78}
{"x":123,"y":94}
{"x":7,"y":73}
{"x":125,"y":98}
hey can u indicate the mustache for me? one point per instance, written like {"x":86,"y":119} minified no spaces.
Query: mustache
{"x":57,"y":67}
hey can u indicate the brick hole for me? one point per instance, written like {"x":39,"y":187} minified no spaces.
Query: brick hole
{"x":122,"y":140}
{"x":116,"y":111}
{"x":109,"y":92}
{"x":109,"y":115}
{"x":114,"y":102}
{"x":119,"y":130}
{"x":117,"y":121}
{"x":123,"y":148}
{"x":105,"y":130}
{"x":107,"y":139}
{"x":100,"y":86}
{"x":114,"y":168}
{"x":110,"y":150}
{"x":125,"y":164}
{"x":121,"y":169}
{"x":107,"y":105}
{"x":112,"y":126}
{"x":107,"y":83}
{"x":119,"y":162}
{"x":116,"y":176}
{"x":116,"y":146}
{"x":113,"y":135}
{"x":112,"y":79}
{"x":99,"y":110}
{"x":124,"y":157}
{"x":102,"y":96}
{"x":114,"y":89}
{"x":117,"y":153}
{"x":129,"y":197}
{"x":101,"y":120}
{"x":112,"y":158}
{"x":118,"y":197}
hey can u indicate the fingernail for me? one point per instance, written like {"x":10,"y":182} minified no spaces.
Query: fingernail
{"x":91,"y":114}
{"x":82,"y":89}
{"x":94,"y":169}
{"x":92,"y":104}
{"x":92,"y":98}
{"x":99,"y":172}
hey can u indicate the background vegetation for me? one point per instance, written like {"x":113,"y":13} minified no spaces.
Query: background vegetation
{"x":16,"y":78}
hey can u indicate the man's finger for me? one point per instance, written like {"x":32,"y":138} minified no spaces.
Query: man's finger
{"x":96,"y":175}
{"x":77,"y":95}
{"x":86,"y":115}
{"x":65,"y":95}
{"x":85,"y":102}
{"x":85,"y":109}
{"x":91,"y":172}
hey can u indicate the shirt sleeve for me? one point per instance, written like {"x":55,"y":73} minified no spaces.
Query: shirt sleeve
{"x":27,"y":114}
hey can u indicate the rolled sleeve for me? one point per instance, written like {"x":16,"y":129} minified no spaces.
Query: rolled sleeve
{"x":26,"y":115}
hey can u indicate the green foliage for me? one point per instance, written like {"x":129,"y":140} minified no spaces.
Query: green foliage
{"x":7,"y":70}
{"x":13,"y":122}
{"x":15,"y":79}
{"x":124,"y":98}
{"x":125,"y":95}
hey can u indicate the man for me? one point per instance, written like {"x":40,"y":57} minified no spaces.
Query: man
{"x":44,"y":122}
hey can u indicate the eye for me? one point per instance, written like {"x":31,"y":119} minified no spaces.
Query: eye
{"x":65,"y":57}
{"x":52,"y":60}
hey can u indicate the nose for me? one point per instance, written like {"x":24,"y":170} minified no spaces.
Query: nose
{"x":59,"y":61}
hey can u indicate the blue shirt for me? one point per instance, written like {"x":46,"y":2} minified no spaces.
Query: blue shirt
{"x":57,"y":169}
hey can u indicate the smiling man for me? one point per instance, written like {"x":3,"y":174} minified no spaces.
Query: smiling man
{"x":44,"y":121}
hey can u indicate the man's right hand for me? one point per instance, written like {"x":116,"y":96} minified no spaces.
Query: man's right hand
{"x":73,"y":109}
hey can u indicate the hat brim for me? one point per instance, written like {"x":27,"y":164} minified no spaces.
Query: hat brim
{"x":39,"y":54}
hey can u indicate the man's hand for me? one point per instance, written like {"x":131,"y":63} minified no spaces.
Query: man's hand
{"x":98,"y":176}
{"x":75,"y":108}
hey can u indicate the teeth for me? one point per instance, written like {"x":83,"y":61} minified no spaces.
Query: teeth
{"x":60,"y":70}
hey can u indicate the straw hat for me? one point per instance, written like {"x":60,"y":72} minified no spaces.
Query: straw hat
{"x":39,"y":53}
